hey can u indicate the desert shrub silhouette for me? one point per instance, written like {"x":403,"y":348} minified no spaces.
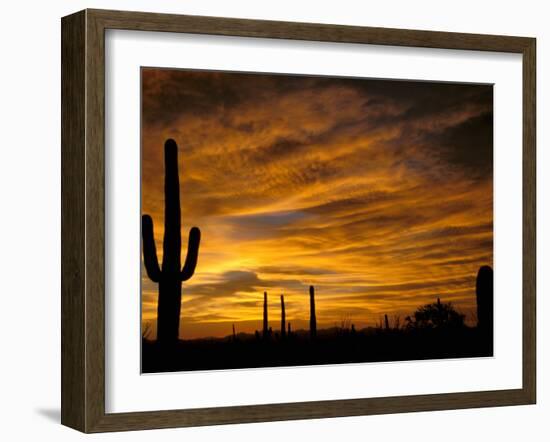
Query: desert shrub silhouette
{"x":437,"y":315}
{"x":171,"y":276}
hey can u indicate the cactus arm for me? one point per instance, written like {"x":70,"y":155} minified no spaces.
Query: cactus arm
{"x":192,"y":254}
{"x":149,"y":249}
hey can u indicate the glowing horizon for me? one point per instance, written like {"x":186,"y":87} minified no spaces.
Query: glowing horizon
{"x":377,"y":192}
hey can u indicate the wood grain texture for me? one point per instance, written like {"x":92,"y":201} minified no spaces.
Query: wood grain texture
{"x":83,"y":218}
{"x":95,"y":222}
{"x":529,"y":221}
{"x":144,"y":21}
{"x":73,"y":252}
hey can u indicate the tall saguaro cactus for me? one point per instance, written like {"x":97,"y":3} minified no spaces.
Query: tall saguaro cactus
{"x":171,"y":276}
{"x":283,"y":317}
{"x":265,"y":329}
{"x":312,"y":317}
{"x":484,"y":297}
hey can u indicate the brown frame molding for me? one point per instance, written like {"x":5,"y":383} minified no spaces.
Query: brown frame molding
{"x":83,"y":216}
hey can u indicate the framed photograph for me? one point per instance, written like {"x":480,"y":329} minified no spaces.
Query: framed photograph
{"x":266,"y":220}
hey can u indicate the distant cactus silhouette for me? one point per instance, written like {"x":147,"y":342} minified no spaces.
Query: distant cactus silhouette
{"x":265,"y":329}
{"x":484,"y":297}
{"x":283,"y":317}
{"x":386,"y":322}
{"x":312,"y":317}
{"x":172,"y":274}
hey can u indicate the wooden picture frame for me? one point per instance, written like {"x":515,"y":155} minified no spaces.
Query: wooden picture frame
{"x":83,"y":220}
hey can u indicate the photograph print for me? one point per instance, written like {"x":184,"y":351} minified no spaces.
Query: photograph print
{"x":294,"y":220}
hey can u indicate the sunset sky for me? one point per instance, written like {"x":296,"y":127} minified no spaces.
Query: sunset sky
{"x":378,"y":193}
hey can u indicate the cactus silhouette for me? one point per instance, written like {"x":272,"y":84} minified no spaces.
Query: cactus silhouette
{"x":312,"y":317}
{"x":386,"y":322}
{"x":283,"y":317}
{"x":265,"y":330}
{"x":484,"y":297}
{"x":171,"y":276}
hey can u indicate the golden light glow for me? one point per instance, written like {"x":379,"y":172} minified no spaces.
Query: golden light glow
{"x":378,"y":193}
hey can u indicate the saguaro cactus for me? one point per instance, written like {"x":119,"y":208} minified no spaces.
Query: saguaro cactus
{"x":312,"y":317}
{"x":386,"y":322}
{"x":283,"y":317}
{"x":484,"y":297}
{"x":265,"y":329}
{"x":170,"y":277}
